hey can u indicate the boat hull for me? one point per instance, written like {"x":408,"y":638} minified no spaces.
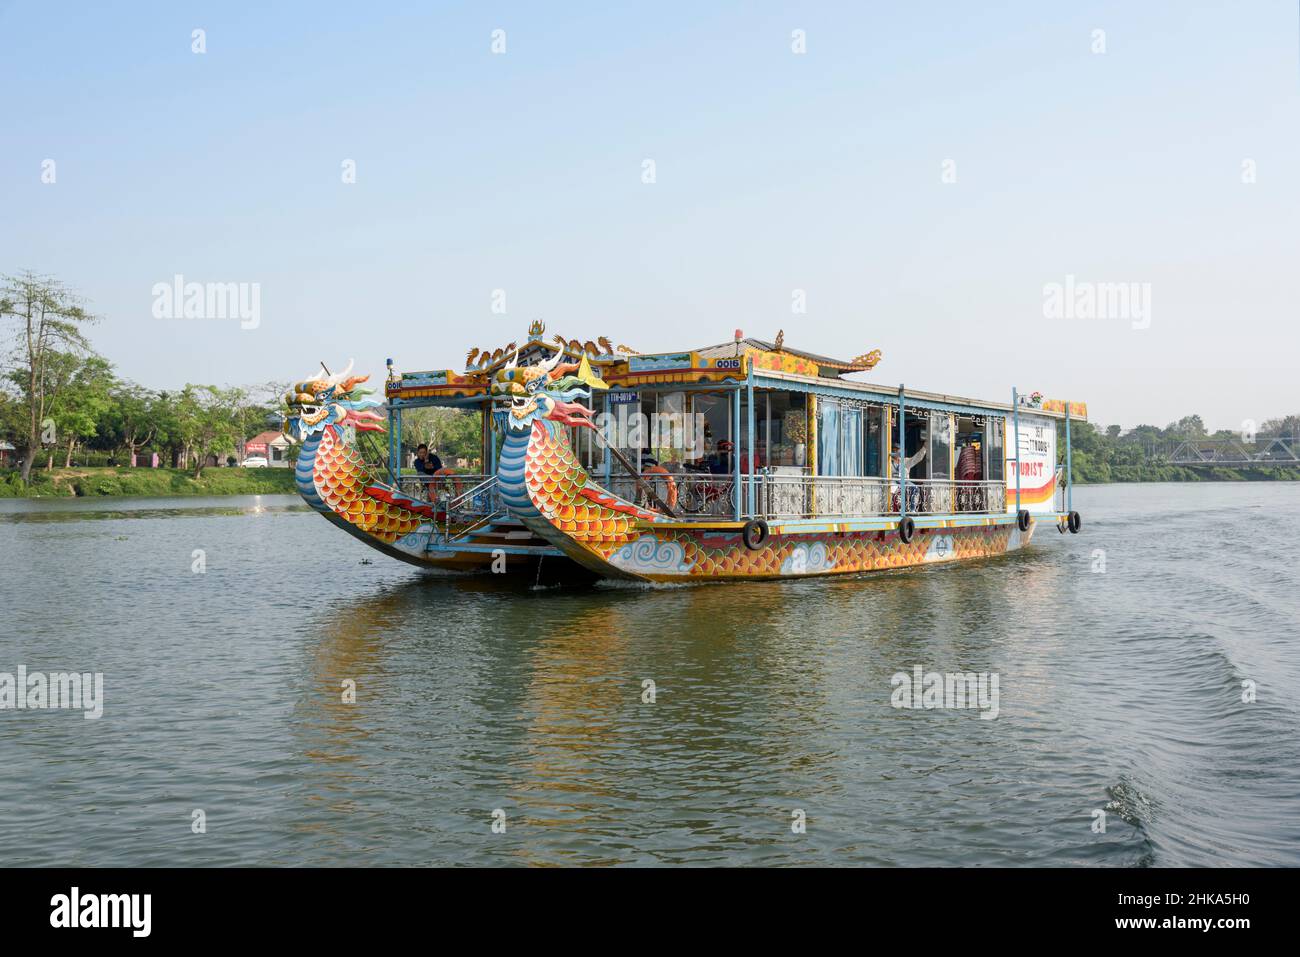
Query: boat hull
{"x":713,"y":553}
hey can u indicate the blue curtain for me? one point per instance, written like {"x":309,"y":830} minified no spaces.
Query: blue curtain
{"x":828,"y":437}
{"x":851,"y":446}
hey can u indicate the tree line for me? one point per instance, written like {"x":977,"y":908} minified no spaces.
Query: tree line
{"x":60,"y":398}
{"x":1112,"y":454}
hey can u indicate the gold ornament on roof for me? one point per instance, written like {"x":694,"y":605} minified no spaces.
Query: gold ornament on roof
{"x":867,"y":360}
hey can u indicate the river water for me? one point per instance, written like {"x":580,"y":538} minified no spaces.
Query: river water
{"x":226,"y":629}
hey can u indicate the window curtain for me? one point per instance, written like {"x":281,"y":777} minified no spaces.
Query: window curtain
{"x":828,"y":437}
{"x":851,"y":442}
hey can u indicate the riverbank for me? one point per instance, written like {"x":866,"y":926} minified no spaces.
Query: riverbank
{"x":107,"y":482}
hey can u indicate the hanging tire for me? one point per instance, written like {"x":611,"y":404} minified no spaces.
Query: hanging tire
{"x":1022,"y":520}
{"x":906,"y":529}
{"x":1074,"y":522}
{"x":754,"y":534}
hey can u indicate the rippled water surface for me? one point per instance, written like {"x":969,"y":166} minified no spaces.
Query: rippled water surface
{"x":1120,"y":690}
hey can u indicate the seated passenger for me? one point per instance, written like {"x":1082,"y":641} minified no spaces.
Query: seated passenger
{"x":426,"y":462}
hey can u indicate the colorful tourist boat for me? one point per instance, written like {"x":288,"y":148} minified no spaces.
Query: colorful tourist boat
{"x":746,"y":459}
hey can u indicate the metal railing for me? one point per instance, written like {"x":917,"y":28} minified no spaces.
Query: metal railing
{"x":817,"y":496}
{"x":465,"y":503}
{"x":691,"y":494}
{"x":440,"y":488}
{"x":783,"y":495}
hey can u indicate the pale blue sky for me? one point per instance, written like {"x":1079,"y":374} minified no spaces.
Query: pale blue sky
{"x":775,"y":172}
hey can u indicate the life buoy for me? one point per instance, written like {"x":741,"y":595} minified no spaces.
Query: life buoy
{"x":1074,"y":522}
{"x":906,"y":529}
{"x":456,"y":485}
{"x":1022,"y":520}
{"x":670,"y":496}
{"x":754,"y":534}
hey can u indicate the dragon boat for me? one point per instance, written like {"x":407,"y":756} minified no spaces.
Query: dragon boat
{"x":742,"y":460}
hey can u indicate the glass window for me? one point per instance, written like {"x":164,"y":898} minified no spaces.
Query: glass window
{"x":874,"y":451}
{"x":851,"y":441}
{"x":828,"y":437}
{"x":995,"y":467}
{"x":669,"y":440}
{"x":785,"y":421}
{"x":717,"y":441}
{"x":940,"y":444}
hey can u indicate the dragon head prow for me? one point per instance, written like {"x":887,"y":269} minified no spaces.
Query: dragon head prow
{"x":326,"y":399}
{"x":544,"y":391}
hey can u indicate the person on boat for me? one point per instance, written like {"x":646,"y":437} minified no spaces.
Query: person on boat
{"x":720,"y":462}
{"x":426,"y":462}
{"x":910,"y":462}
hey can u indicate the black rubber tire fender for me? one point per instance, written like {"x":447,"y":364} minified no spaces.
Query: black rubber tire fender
{"x":754,"y":534}
{"x":1022,"y":520}
{"x":906,"y":529}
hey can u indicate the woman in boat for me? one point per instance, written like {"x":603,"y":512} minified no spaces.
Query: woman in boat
{"x":914,"y":494}
{"x":911,"y":461}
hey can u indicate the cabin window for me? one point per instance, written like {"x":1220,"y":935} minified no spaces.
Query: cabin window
{"x":828,"y":437}
{"x":877,"y":426}
{"x":995,"y":455}
{"x":716,"y":409}
{"x":845,"y":429}
{"x":915,"y":439}
{"x":971,"y":448}
{"x":670,"y":440}
{"x":851,"y":440}
{"x":940,"y":445}
{"x":784,"y":429}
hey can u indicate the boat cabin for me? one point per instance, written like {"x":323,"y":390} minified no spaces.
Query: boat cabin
{"x":755,"y":429}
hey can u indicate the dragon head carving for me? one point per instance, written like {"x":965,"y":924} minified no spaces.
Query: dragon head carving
{"x":545,"y":391}
{"x":324,"y":400}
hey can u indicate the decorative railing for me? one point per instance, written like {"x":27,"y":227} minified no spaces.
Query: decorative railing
{"x":439,"y":488}
{"x":465,"y":503}
{"x":815,"y":496}
{"x":784,"y":495}
{"x":942,"y":497}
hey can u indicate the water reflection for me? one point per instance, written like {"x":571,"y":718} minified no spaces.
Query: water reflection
{"x":1119,"y":691}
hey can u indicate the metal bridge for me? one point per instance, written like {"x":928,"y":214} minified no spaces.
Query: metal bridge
{"x":1278,"y":452}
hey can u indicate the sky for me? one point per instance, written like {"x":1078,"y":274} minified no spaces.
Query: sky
{"x":920,"y":176}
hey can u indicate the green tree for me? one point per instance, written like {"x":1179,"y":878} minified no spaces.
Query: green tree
{"x":47,"y":320}
{"x":133,"y":419}
{"x":82,"y":403}
{"x":451,"y":433}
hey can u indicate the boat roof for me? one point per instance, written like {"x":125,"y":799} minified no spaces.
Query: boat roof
{"x":771,"y":364}
{"x":731,"y":348}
